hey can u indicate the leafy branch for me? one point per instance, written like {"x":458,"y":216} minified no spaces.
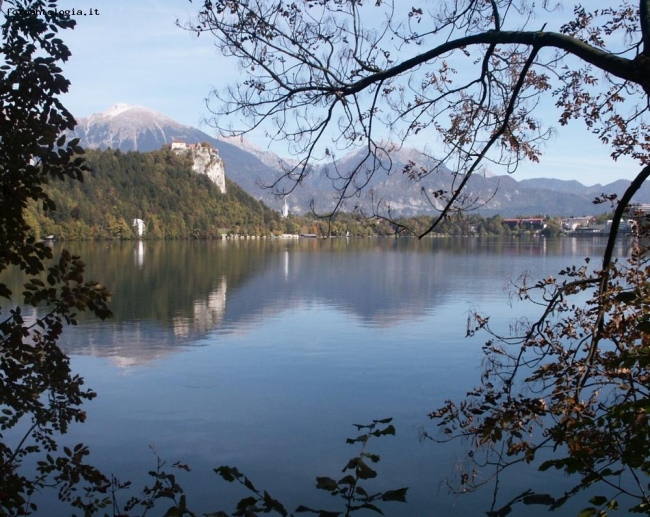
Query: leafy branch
{"x":349,"y":488}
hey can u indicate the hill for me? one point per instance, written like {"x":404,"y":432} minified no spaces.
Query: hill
{"x":158,"y":187}
{"x":136,"y":128}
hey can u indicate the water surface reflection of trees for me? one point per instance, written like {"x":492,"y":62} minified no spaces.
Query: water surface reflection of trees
{"x":169,"y":294}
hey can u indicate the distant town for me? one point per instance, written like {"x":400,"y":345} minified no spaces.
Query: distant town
{"x":584,"y":225}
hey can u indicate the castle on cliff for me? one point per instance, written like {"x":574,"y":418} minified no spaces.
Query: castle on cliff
{"x":182,"y":146}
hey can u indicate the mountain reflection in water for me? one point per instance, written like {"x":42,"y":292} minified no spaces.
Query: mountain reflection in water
{"x":173,"y":293}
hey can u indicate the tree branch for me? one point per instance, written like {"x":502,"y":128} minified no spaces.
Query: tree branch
{"x":493,"y":139}
{"x":613,"y":64}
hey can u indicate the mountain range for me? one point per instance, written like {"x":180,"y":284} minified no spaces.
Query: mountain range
{"x":136,"y":128}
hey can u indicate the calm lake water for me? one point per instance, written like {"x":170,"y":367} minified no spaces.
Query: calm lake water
{"x":262,"y":355}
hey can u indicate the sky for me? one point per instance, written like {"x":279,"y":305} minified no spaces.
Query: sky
{"x":133,"y":53}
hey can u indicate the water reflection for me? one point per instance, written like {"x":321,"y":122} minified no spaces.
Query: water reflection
{"x":207,"y":313}
{"x":184,"y":290}
{"x":138,"y":254}
{"x":286,"y":265}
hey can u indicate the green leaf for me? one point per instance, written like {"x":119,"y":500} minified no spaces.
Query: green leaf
{"x":321,"y":513}
{"x":325,"y":483}
{"x":389,"y":430}
{"x":5,"y":292}
{"x":544,"y":499}
{"x":372,"y":507}
{"x":501,"y":512}
{"x":588,"y":512}
{"x":398,"y":495}
{"x":347,"y":480}
{"x":598,"y":500}
{"x":364,"y":471}
{"x":372,"y":457}
{"x":173,"y":512}
{"x":228,"y":473}
{"x":547,"y":465}
{"x":274,"y":504}
{"x":361,"y":491}
{"x":246,"y":502}
{"x":249,"y":484}
{"x":363,"y":439}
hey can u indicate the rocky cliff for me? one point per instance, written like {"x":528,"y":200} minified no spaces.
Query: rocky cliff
{"x":205,"y":160}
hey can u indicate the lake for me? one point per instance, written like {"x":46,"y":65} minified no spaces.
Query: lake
{"x":262,"y":354}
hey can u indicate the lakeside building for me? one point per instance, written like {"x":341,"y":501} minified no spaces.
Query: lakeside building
{"x":536,"y":223}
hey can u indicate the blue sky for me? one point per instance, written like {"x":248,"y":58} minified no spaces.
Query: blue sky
{"x":133,"y":53}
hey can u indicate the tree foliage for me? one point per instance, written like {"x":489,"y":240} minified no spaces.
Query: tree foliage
{"x":470,"y":77}
{"x":585,"y":395}
{"x":39,"y":395}
{"x":158,"y":187}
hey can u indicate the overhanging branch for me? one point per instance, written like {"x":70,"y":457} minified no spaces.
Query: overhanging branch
{"x":615,"y":65}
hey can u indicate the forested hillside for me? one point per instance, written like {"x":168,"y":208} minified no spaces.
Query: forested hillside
{"x":158,"y":187}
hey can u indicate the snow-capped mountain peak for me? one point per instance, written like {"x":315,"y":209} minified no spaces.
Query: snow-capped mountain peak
{"x":126,"y":127}
{"x":115,"y":110}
